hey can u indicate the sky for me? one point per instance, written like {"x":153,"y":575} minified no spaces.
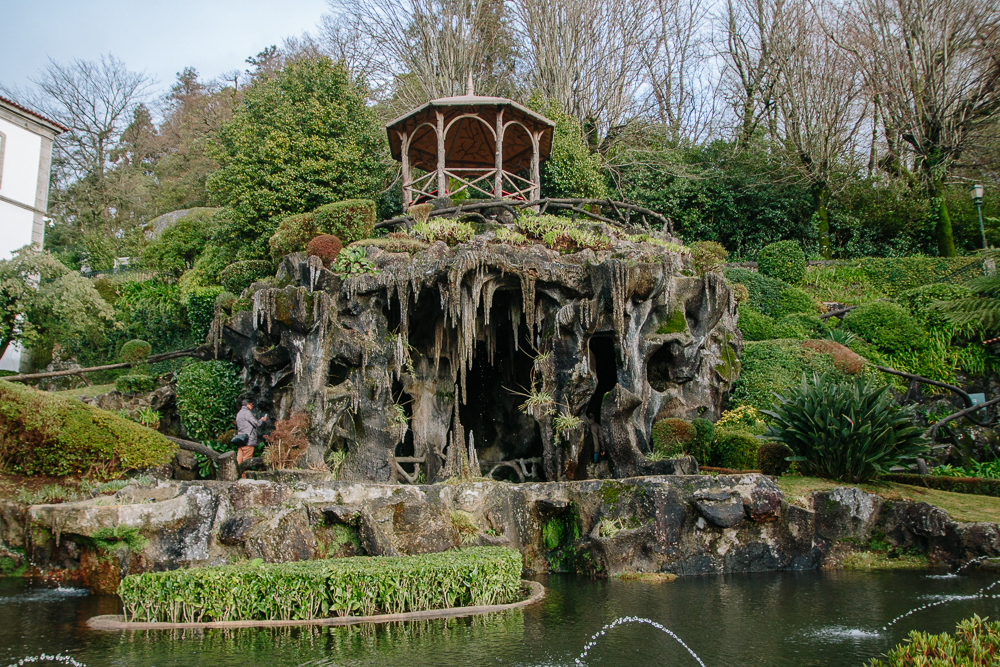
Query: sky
{"x":161,"y":37}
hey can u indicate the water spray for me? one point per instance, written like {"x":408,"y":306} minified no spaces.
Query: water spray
{"x":633,"y":619}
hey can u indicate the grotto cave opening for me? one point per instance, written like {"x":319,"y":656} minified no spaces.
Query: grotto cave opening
{"x":495,"y":384}
{"x":602,"y":362}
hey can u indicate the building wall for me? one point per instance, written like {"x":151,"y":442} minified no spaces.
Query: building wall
{"x":25,"y":160}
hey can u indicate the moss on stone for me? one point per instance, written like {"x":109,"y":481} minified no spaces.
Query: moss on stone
{"x":673,"y":323}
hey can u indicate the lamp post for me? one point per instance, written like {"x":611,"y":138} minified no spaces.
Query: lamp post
{"x":977,"y":199}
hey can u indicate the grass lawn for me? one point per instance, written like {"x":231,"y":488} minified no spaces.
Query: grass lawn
{"x":959,"y":506}
{"x":92,"y":390}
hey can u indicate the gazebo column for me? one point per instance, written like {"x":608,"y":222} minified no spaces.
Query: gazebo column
{"x":404,"y":141}
{"x":498,"y":158}
{"x":536,"y":177}
{"x":442,"y":188}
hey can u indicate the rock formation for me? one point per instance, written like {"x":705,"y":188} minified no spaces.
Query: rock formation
{"x":486,"y":357}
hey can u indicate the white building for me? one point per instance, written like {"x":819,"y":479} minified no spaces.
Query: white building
{"x":25,"y":158}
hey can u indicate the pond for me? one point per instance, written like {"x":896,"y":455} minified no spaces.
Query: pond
{"x":779,"y":619}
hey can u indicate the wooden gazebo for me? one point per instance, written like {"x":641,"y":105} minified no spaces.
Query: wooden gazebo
{"x":490,"y":146}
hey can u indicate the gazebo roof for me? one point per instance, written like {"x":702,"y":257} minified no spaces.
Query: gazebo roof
{"x":469,"y":141}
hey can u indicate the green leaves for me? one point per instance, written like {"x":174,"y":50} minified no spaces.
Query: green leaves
{"x":846,"y":430}
{"x":975,"y":643}
{"x":316,"y":589}
{"x":207,"y":394}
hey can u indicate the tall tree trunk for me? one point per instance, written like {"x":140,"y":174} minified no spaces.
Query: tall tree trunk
{"x":821,"y":195}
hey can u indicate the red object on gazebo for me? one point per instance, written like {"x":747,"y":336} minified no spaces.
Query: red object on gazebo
{"x":483,"y":143}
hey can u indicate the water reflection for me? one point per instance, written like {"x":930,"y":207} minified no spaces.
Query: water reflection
{"x":785,"y":619}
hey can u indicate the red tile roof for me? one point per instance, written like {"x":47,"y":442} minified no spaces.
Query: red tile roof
{"x":62,"y":128}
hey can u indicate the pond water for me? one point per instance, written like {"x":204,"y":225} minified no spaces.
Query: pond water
{"x":801,"y":619}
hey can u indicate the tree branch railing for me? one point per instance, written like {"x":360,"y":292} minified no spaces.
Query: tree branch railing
{"x":622,"y":210}
{"x":203,"y":352}
{"x":226,"y":468}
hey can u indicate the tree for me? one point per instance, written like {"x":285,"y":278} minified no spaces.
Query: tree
{"x":820,"y":101}
{"x":301,"y":138}
{"x":39,"y":297}
{"x":934,"y":66}
{"x":571,"y":170}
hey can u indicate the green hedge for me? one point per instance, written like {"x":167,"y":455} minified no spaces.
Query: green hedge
{"x":887,"y":326}
{"x":134,"y":383}
{"x":44,"y":434}
{"x":764,"y":292}
{"x":783,"y":260}
{"x":774,"y":366}
{"x":294,"y":232}
{"x":350,"y":220}
{"x":735,"y":448}
{"x":207,"y":394}
{"x":360,"y":586}
{"x":240,"y":275}
{"x":893,"y":275}
{"x":971,"y":485}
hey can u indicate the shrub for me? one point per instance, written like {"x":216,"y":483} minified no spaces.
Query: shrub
{"x":135,"y":351}
{"x":846,"y":430}
{"x":791,"y":301}
{"x":393,"y":243}
{"x":134,"y":383}
{"x":922,"y":302}
{"x":885,"y":325}
{"x":199,"y":304}
{"x":809,"y":323}
{"x":974,"y":644}
{"x":225,"y":301}
{"x":741,"y":293}
{"x":764,"y":292}
{"x":783,"y":260}
{"x":754,"y":324}
{"x":775,"y":366}
{"x":326,"y":247}
{"x":207,"y":394}
{"x":745,"y":417}
{"x":735,"y":448}
{"x":353,"y":261}
{"x":349,"y":220}
{"x":178,"y":246}
{"x":325,"y":588}
{"x":287,"y":443}
{"x":894,"y":275}
{"x":704,"y":435}
{"x":294,"y":232}
{"x":708,"y":256}
{"x":673,"y":436}
{"x":44,"y":434}
{"x":771,"y":458}
{"x":240,"y":275}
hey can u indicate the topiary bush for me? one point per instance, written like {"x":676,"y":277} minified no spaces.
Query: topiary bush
{"x":975,"y":644}
{"x":844,"y":429}
{"x":708,"y":256}
{"x":199,"y":304}
{"x":326,"y":247}
{"x":225,"y":301}
{"x":735,"y":448}
{"x":792,"y":301}
{"x":783,"y":260}
{"x":293,"y":233}
{"x":887,"y":326}
{"x":135,"y":351}
{"x":754,"y":324}
{"x":764,"y":292}
{"x":775,"y":366}
{"x":771,"y":458}
{"x":349,"y":220}
{"x":134,"y":383}
{"x":701,"y":449}
{"x":240,"y":275}
{"x":207,"y":397}
{"x":45,"y":434}
{"x":673,"y":436}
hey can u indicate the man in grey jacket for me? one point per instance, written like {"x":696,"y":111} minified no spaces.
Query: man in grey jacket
{"x":247,"y":424}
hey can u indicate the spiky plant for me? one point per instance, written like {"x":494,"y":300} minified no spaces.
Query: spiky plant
{"x":846,"y":430}
{"x":840,"y":335}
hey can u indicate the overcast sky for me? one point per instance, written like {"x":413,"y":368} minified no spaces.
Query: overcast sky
{"x":213,"y":36}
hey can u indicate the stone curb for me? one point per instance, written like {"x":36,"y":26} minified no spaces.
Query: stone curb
{"x":115,"y":623}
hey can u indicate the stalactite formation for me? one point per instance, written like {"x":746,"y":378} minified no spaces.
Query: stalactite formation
{"x":462,"y":337}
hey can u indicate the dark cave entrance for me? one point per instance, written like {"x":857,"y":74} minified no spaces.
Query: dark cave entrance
{"x":405,"y":402}
{"x":500,"y":430}
{"x":602,"y":362}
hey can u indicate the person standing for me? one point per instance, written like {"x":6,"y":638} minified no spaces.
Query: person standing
{"x":247,"y":424}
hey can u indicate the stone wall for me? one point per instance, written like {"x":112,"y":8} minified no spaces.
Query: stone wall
{"x":685,"y":524}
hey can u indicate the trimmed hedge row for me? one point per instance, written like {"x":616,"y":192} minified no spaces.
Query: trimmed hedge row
{"x":972,"y":485}
{"x":44,"y":434}
{"x":359,"y":586}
